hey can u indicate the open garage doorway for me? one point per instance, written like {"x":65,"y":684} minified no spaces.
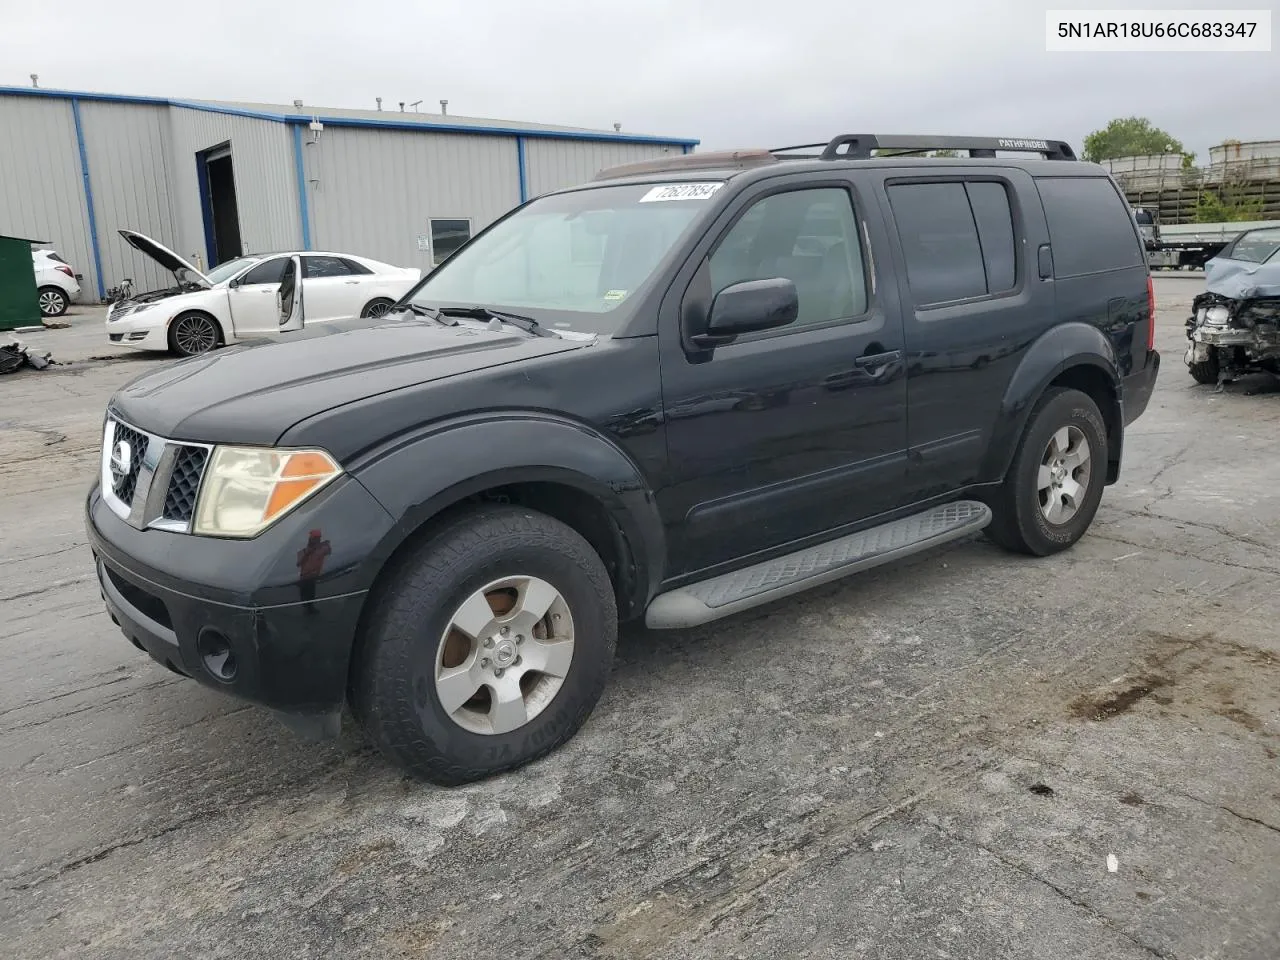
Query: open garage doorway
{"x":218,"y":203}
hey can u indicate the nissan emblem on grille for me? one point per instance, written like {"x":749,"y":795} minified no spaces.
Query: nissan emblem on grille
{"x":121,"y":460}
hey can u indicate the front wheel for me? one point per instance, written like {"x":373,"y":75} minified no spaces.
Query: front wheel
{"x":53,"y":302}
{"x":1206,"y":370}
{"x":1054,"y":485}
{"x":489,"y":646}
{"x":192,"y":334}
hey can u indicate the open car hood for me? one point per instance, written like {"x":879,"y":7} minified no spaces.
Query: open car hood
{"x":1241,"y":279}
{"x":184,"y":271}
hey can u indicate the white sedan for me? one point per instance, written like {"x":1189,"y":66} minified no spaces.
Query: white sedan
{"x":236,"y":300}
{"x":56,"y":282}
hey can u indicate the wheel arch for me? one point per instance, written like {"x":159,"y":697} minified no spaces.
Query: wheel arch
{"x":559,"y":467}
{"x":1077,"y":356}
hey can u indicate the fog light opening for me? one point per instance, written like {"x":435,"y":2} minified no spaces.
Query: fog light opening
{"x":216,"y":655}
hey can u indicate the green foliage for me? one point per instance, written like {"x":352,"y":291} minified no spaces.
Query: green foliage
{"x":1131,"y":137}
{"x":1226,"y":207}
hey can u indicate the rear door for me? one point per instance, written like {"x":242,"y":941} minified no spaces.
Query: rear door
{"x":253,"y":298}
{"x":788,"y":433}
{"x":336,"y":287}
{"x":965,"y":245}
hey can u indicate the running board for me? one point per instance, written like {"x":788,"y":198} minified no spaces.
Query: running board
{"x":740,"y":590}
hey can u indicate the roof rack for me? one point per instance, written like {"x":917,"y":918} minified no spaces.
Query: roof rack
{"x":859,"y":146}
{"x":847,"y":146}
{"x":712,"y":160}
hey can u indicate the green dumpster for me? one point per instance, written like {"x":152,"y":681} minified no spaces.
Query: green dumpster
{"x":18,"y":304}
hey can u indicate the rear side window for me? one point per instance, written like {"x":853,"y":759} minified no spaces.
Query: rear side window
{"x":1091,"y":228}
{"x":315,"y":268}
{"x":957,"y":239}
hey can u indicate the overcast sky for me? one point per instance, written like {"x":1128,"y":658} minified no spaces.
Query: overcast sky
{"x":729,"y":72}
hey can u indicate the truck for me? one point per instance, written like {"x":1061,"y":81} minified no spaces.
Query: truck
{"x":1187,"y":246}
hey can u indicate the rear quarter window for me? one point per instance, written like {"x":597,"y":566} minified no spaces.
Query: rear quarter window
{"x":1091,"y":227}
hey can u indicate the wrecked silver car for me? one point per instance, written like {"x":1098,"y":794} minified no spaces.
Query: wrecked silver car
{"x":1234,"y":327}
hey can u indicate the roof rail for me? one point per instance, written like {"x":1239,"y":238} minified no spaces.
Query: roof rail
{"x":859,"y":146}
{"x":712,"y":160}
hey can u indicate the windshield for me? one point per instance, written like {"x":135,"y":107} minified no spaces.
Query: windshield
{"x":1256,"y":246}
{"x":225,"y":271}
{"x":570,"y":260}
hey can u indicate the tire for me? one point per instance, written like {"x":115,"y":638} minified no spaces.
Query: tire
{"x":194,"y":333}
{"x":1019,"y":521}
{"x":1206,"y":371}
{"x":376,"y":307}
{"x":53,"y":301}
{"x":410,"y":638}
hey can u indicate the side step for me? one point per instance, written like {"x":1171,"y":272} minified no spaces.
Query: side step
{"x":740,"y":590}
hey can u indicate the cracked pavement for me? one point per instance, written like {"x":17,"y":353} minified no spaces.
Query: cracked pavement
{"x":934,"y":759}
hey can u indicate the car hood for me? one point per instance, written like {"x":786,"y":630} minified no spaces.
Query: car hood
{"x":182,"y":269}
{"x":1242,"y":279}
{"x":251,"y":393}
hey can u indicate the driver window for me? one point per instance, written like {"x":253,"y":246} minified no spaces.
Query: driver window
{"x":808,"y":236}
{"x":269,"y":271}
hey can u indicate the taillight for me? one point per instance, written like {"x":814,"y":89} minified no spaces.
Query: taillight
{"x":68,"y":271}
{"x":1151,"y":314}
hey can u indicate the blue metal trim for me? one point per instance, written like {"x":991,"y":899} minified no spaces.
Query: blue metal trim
{"x":483,"y":131}
{"x":524,"y":182}
{"x":88,"y":199}
{"x":206,"y":207}
{"x":300,"y":171}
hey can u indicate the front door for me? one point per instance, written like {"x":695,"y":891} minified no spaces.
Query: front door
{"x":791,"y":432}
{"x":253,"y":298}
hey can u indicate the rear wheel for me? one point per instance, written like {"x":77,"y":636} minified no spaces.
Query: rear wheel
{"x":53,"y":302}
{"x":488,"y":647}
{"x":191,"y":334}
{"x":1054,"y":485}
{"x":376,"y":308}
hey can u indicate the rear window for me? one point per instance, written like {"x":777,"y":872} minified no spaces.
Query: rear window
{"x":957,"y":239}
{"x":1091,"y":227}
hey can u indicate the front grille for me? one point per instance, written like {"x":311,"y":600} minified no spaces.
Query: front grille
{"x":124,"y":469}
{"x":132,"y":488}
{"x":184,"y":482}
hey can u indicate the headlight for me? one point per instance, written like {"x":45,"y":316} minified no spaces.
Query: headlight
{"x":1217,"y":316}
{"x":246,"y":489}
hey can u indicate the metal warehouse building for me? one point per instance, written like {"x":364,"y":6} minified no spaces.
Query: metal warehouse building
{"x":212,"y":180}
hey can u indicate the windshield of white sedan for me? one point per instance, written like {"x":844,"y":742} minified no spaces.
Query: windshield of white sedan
{"x":578,"y":256}
{"x":229,"y":269}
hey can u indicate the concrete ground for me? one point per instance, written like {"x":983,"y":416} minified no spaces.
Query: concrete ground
{"x":966,"y":755}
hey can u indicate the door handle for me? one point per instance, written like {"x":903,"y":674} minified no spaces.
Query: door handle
{"x":868,"y":360}
{"x":350,"y":281}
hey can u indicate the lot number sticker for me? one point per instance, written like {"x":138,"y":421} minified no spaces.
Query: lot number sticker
{"x":682,"y":191}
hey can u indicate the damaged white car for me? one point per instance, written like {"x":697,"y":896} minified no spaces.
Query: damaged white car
{"x":1234,"y":327}
{"x":236,"y":300}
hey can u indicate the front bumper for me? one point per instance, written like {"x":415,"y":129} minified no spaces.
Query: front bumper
{"x":148,"y":331}
{"x":237,"y":616}
{"x":1139,"y":386}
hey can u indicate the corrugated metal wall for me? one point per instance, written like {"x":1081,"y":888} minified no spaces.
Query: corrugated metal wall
{"x":555,"y":164}
{"x":373,"y":192}
{"x":41,"y":191}
{"x":125,"y":146}
{"x":263,"y":165}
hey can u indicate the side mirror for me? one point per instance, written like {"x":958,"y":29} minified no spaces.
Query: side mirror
{"x":747,"y":307}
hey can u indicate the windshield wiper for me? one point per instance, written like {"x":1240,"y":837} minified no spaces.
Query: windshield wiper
{"x":422,"y":311}
{"x":527,"y":324}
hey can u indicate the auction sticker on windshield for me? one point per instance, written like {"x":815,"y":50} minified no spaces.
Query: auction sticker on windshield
{"x":681,"y":191}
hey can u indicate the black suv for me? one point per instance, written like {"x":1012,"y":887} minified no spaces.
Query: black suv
{"x":684,"y":389}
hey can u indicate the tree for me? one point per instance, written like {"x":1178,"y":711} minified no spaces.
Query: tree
{"x":1132,"y":137}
